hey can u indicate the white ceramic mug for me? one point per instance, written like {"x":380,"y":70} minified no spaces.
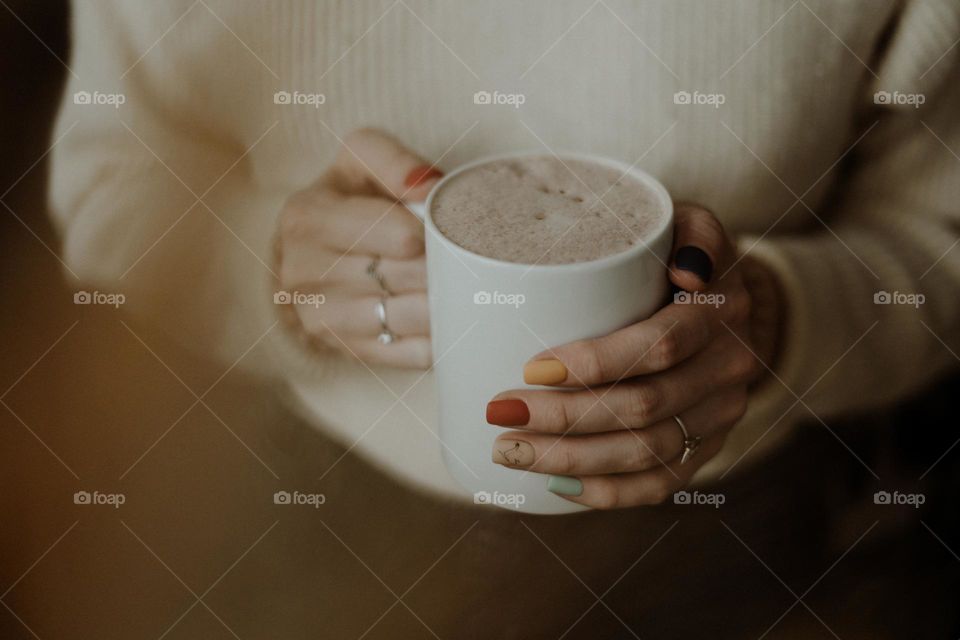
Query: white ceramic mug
{"x":488,"y":317}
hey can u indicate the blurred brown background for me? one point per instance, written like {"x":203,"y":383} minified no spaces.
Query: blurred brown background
{"x":93,"y":400}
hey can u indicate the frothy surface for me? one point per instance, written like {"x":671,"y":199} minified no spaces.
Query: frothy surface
{"x":539,"y":210}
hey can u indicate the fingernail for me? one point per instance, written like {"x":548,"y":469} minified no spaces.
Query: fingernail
{"x":544,"y":372}
{"x":508,"y":413}
{"x":513,"y":453}
{"x":421,"y":174}
{"x":695,"y":260}
{"x":564,"y":485}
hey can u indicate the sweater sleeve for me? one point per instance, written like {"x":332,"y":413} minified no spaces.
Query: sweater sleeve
{"x":154,"y":195}
{"x":872,"y":294}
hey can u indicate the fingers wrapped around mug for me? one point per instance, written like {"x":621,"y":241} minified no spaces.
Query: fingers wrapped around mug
{"x":630,"y":404}
{"x":622,"y":450}
{"x":664,"y":341}
{"x":408,"y":315}
{"x":709,"y":307}
{"x":621,"y":490}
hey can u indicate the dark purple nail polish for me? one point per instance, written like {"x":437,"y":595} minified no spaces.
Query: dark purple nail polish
{"x":695,"y":260}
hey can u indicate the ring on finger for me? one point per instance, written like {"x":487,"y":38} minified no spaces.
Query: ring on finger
{"x":373,"y":270}
{"x":386,"y":336}
{"x":690,"y":443}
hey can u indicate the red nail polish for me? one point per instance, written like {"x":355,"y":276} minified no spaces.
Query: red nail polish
{"x":422,"y":174}
{"x":508,"y":413}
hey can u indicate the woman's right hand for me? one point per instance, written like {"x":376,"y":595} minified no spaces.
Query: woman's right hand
{"x":328,"y":235}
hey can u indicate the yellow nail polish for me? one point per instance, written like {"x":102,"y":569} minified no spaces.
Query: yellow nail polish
{"x":544,"y":372}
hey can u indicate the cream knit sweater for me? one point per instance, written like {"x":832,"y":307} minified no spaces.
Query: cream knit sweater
{"x":171,"y":197}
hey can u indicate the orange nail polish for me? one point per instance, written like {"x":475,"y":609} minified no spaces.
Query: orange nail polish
{"x":508,"y":413}
{"x":421,"y":174}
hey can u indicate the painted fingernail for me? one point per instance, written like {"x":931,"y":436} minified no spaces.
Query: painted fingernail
{"x":513,"y":453}
{"x":695,"y":260}
{"x":508,"y":413}
{"x":564,"y":485}
{"x":421,"y":174}
{"x":544,"y":372}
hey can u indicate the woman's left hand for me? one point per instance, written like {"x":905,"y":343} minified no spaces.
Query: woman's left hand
{"x":611,"y":433}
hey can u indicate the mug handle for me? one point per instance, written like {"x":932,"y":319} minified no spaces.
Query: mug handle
{"x":418,"y":209}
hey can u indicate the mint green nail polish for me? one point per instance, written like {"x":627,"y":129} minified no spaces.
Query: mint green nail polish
{"x":565,"y":485}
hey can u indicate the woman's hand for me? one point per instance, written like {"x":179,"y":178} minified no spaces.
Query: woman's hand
{"x":611,"y":429}
{"x":330,"y":233}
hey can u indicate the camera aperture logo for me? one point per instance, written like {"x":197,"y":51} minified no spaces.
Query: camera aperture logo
{"x":496,"y":98}
{"x":99,"y":297}
{"x":299,"y":297}
{"x":499,"y":298}
{"x":298,"y":498}
{"x":897,"y":499}
{"x":898,"y":297}
{"x":510,"y":500}
{"x":299,"y":98}
{"x":99,"y":99}
{"x":96,"y":498}
{"x":696,"y":98}
{"x":896,"y":98}
{"x":698,"y":498}
{"x":699,"y":297}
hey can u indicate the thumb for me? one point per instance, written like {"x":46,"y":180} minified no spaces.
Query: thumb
{"x":373,"y":162}
{"x":699,"y":245}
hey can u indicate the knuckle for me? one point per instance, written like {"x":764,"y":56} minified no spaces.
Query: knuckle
{"x":666,"y":351}
{"x":424,"y":357}
{"x":651,"y":399}
{"x":605,"y":495}
{"x":660,"y":491}
{"x":712,"y":222}
{"x":288,"y":272}
{"x":401,"y":275}
{"x":556,"y":415}
{"x":294,"y":216}
{"x":565,"y":417}
{"x":743,"y":365}
{"x":634,"y":410}
{"x":646,"y":449}
{"x":564,"y":460}
{"x":738,"y":406}
{"x":311,"y":321}
{"x":409,"y":243}
{"x":643,"y":402}
{"x":359,"y":135}
{"x":590,"y":359}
